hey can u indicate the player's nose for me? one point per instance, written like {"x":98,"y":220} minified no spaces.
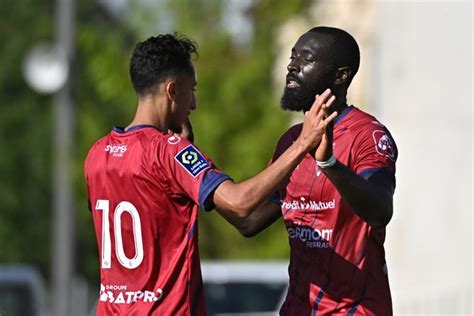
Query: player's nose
{"x":293,"y":66}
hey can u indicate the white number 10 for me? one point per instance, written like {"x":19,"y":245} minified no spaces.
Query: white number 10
{"x":124,"y":206}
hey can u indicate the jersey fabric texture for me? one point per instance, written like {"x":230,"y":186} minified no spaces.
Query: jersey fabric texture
{"x":337,"y":264}
{"x":144,"y":188}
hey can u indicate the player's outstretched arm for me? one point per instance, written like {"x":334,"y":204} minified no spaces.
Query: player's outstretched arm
{"x":258,"y":220}
{"x":237,"y":201}
{"x":371,"y":198}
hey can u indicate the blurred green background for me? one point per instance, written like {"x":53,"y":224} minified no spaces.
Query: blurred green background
{"x":237,"y":123}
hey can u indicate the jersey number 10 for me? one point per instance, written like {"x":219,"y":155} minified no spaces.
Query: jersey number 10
{"x":124,"y":206}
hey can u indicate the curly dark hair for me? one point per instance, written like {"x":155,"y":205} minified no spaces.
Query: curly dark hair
{"x":159,"y":58}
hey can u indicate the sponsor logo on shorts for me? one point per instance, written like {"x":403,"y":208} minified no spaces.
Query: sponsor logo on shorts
{"x":384,"y":144}
{"x":116,"y":150}
{"x":118,"y":294}
{"x":192,"y":160}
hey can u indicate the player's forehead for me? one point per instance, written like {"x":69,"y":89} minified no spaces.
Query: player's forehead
{"x":189,"y":79}
{"x":192,"y":73}
{"x":188,"y":76}
{"x":312,"y":43}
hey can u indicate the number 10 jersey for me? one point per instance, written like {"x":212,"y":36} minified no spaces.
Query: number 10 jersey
{"x":144,"y":189}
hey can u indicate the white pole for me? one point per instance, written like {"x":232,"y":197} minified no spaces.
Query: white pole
{"x":63,"y":228}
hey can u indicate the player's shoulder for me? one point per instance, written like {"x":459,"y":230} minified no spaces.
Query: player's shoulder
{"x":178,"y":148}
{"x":369,"y":130}
{"x":359,"y":120}
{"x":292,"y":133}
{"x":287,"y":139}
{"x":182,"y":156}
{"x":173,"y":143}
{"x":155,"y":140}
{"x":98,"y":144}
{"x":91,"y":161}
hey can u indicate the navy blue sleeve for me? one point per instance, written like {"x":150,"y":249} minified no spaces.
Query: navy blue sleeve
{"x":383,"y":176}
{"x":209,"y":183}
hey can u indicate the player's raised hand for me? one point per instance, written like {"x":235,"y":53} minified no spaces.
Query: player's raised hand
{"x":317,"y":120}
{"x":324,"y":150}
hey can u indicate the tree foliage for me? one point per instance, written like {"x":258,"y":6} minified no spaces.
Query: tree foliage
{"x":25,"y":193}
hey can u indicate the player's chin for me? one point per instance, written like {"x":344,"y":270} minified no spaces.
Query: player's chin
{"x":292,"y":100}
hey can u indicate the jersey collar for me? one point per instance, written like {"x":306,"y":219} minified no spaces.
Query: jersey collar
{"x":121,"y":130}
{"x":344,"y":113}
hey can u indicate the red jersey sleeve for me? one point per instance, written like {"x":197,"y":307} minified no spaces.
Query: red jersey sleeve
{"x":284,"y":142}
{"x":190,"y":172}
{"x":374,"y":148}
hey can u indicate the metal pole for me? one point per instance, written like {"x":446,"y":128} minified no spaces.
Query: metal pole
{"x":63,"y":230}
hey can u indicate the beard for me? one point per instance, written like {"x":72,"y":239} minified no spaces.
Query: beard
{"x":302,"y":97}
{"x":297,"y":99}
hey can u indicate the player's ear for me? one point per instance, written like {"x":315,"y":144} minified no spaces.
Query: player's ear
{"x":342,"y":75}
{"x":171,"y":89}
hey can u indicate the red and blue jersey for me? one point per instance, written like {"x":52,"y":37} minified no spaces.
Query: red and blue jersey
{"x":144,"y":189}
{"x":337,"y":263}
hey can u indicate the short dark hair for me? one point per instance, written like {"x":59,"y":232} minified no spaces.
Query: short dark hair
{"x":159,"y":58}
{"x":344,"y":48}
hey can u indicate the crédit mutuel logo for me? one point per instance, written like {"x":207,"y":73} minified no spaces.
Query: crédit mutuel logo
{"x":192,"y":160}
{"x":309,"y":205}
